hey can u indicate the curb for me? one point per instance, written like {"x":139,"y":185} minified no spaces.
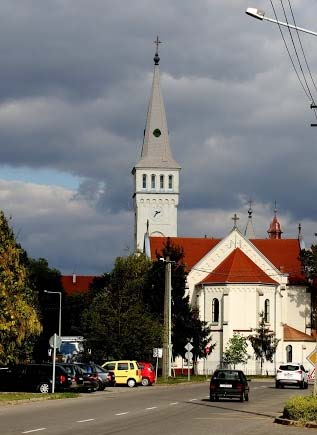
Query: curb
{"x":285,"y":421}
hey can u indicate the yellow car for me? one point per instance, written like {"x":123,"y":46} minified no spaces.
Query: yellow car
{"x":127,"y":372}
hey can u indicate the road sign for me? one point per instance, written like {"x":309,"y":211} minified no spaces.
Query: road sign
{"x":189,"y":355}
{"x":157,"y":352}
{"x":189,"y":346}
{"x":312,"y":357}
{"x":58,"y":341}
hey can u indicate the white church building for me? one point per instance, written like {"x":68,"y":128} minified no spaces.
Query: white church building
{"x":231,"y":280}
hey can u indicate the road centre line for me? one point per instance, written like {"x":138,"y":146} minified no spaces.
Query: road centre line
{"x":84,"y":421}
{"x":192,"y":400}
{"x":174,"y":403}
{"x":153,"y":407}
{"x":34,"y":430}
{"x":122,"y":413}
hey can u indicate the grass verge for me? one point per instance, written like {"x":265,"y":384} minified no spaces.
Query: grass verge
{"x":13,"y":397}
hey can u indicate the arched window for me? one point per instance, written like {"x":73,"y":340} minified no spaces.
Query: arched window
{"x":161,"y":181}
{"x":170,"y":181}
{"x":267,"y":311}
{"x":144,"y":181}
{"x":215,"y":310}
{"x":289,"y":353}
{"x":152,"y":181}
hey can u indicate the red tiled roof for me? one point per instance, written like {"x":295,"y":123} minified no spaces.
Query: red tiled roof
{"x":74,"y":284}
{"x":292,"y":334}
{"x":238,"y":268}
{"x":282,"y":253}
{"x":194,"y":248}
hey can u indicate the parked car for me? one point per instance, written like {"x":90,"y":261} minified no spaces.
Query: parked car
{"x":90,"y":374}
{"x":291,"y":374}
{"x":76,"y":374}
{"x":34,"y":377}
{"x":127,"y":372}
{"x":105,"y":377}
{"x":147,"y":372}
{"x":226,"y":383}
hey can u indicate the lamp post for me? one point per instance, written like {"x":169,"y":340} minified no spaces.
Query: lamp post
{"x":167,"y":334}
{"x":260,"y":15}
{"x":60,"y":310}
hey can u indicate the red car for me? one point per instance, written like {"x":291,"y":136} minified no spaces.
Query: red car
{"x":147,"y":372}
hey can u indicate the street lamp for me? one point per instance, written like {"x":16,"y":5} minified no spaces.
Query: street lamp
{"x":260,"y":15}
{"x":60,"y":310}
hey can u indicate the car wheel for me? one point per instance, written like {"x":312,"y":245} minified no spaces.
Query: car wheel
{"x":241,"y":397}
{"x":302,"y":385}
{"x":131,"y":383}
{"x":306,"y":385}
{"x":44,"y":388}
{"x":216,"y":398}
{"x":145,"y":382}
{"x":212,"y":398}
{"x":101,"y":386}
{"x":246,"y":397}
{"x":277,"y":385}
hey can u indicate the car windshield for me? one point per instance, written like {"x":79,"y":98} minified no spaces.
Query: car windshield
{"x":229,"y":375}
{"x":289,"y":367}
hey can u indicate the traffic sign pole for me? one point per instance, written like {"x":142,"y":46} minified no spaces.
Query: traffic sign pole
{"x":54,"y":360}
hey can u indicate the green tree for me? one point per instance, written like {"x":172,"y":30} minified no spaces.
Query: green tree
{"x":42,"y":277}
{"x":263,"y":342}
{"x":308,"y":258}
{"x":236,"y":350}
{"x":19,"y":321}
{"x":116,"y":323}
{"x":186,"y":325}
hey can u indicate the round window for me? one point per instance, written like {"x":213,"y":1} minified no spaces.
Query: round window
{"x":157,"y":132}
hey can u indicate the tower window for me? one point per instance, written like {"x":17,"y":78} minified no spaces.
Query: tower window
{"x":215,"y":310}
{"x":267,"y":311}
{"x":144,"y":181}
{"x":289,"y":353}
{"x":152,"y":181}
{"x":161,"y":181}
{"x":170,"y":181}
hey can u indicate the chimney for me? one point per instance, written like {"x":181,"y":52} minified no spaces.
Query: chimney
{"x":74,"y":278}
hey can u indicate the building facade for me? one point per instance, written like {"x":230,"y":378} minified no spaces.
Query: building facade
{"x":231,"y":280}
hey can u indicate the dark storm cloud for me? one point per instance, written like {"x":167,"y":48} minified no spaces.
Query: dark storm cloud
{"x":75,"y":80}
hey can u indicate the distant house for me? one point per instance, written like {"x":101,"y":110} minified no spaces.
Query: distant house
{"x":76,"y":284}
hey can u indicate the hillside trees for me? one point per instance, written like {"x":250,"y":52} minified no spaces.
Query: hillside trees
{"x":19,"y":320}
{"x":308,"y":258}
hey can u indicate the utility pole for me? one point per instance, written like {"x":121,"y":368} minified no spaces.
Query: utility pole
{"x":167,"y":332}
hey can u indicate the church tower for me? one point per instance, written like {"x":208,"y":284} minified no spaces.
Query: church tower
{"x":275,"y":231}
{"x":156,"y":175}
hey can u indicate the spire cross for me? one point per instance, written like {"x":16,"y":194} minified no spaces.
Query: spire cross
{"x":235,"y":219}
{"x":157,"y":42}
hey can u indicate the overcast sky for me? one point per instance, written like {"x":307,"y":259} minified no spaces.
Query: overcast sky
{"x":75,"y":80}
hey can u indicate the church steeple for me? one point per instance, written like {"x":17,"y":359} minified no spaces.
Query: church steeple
{"x":156,"y":175}
{"x":274,"y":230}
{"x":156,"y":149}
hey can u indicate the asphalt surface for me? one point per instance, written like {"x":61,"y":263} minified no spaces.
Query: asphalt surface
{"x":181,"y":409}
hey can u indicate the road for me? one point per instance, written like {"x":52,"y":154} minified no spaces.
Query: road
{"x":179,"y":410}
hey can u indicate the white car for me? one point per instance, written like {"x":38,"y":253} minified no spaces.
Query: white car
{"x":291,"y":374}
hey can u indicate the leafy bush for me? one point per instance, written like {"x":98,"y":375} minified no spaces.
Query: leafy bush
{"x":300,"y":408}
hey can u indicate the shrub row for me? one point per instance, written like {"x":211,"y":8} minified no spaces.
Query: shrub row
{"x":301,"y":408}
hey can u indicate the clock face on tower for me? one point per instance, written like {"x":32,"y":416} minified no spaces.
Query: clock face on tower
{"x":157,"y":213}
